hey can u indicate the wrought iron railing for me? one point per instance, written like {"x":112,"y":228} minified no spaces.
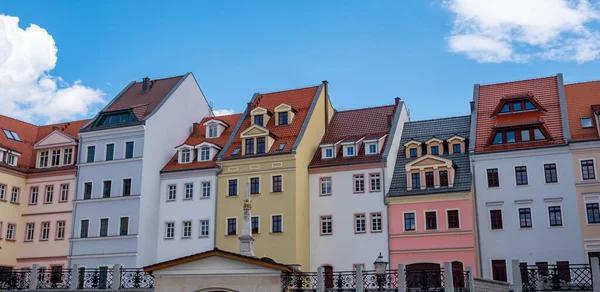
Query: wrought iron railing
{"x":15,"y":279}
{"x":54,"y":279}
{"x":136,"y":279}
{"x":425,"y":280}
{"x":460,"y":279}
{"x":305,"y":282}
{"x":556,"y":278}
{"x":101,"y":278}
{"x":387,"y":282}
{"x":340,"y":281}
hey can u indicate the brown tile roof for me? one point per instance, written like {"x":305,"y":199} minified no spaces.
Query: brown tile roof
{"x":353,"y":125}
{"x":198,"y":136}
{"x":300,"y":99}
{"x":544,"y":90}
{"x":31,"y":134}
{"x":581,"y":100}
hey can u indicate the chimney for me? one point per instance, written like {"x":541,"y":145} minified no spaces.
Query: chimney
{"x":326,"y":87}
{"x":196,"y":128}
{"x":389,"y":120}
{"x":397,"y":100}
{"x":250,"y":107}
{"x":145,"y":84}
{"x":472,"y":106}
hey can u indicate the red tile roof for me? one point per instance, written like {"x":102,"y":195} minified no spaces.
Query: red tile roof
{"x":300,"y":99}
{"x":544,"y":90}
{"x":353,"y":125}
{"x":581,"y":100}
{"x":198,"y":136}
{"x":31,"y":134}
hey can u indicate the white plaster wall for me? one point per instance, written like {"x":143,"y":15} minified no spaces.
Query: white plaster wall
{"x":345,"y":248}
{"x":181,"y":210}
{"x":394,"y":146}
{"x":169,"y":125}
{"x":541,"y":242}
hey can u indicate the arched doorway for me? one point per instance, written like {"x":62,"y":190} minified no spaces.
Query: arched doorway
{"x":423,"y":276}
{"x":458,"y":274}
{"x":328,"y":270}
{"x":216,"y":290}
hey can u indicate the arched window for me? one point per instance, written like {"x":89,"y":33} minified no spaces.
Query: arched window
{"x":328,"y":276}
{"x":417,"y":273}
{"x":212,"y":130}
{"x":186,"y":155}
{"x":205,"y":153}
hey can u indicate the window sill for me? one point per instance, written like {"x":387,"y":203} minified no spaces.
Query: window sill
{"x":186,"y":238}
{"x":556,"y":227}
{"x":362,"y":232}
{"x":11,"y":240}
{"x":203,"y":236}
{"x":552,"y":183}
{"x":188,"y":199}
{"x":276,"y":232}
{"x":204,"y":198}
{"x":525,"y":228}
{"x":169,"y":238}
{"x":328,"y":234}
{"x":379,"y":231}
{"x":58,"y":239}
{"x":44,"y":240}
{"x":14,"y":203}
{"x":30,"y":204}
{"x":170,"y":201}
{"x":359,"y":193}
{"x":230,"y":234}
{"x":276,"y":193}
{"x":328,"y":195}
{"x":231,"y":196}
{"x":47,"y":203}
{"x":63,"y":201}
{"x":522,"y":186}
{"x":25,"y":241}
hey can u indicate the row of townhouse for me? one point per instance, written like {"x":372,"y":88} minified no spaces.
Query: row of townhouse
{"x":159,"y":177}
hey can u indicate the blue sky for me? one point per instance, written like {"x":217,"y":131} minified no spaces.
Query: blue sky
{"x":369,"y":51}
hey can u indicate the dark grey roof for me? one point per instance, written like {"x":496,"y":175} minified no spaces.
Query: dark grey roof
{"x":422,"y":131}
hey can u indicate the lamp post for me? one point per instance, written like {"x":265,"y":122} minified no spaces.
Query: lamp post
{"x":380,"y":268}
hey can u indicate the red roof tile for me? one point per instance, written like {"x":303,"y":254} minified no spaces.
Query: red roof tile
{"x":544,"y":90}
{"x":581,"y":100}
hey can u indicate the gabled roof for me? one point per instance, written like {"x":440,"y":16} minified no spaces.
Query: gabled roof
{"x":197,"y":137}
{"x":354,"y":125}
{"x":582,"y":100}
{"x":300,"y":99}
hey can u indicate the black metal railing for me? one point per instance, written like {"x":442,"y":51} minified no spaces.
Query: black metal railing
{"x":387,"y":282}
{"x":15,"y":279}
{"x":556,"y":278}
{"x":340,"y":281}
{"x":136,"y":279}
{"x":425,"y":280}
{"x":54,"y":279}
{"x":460,"y":279}
{"x":101,"y":278}
{"x":305,"y":282}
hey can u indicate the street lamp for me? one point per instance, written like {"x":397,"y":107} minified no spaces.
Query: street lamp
{"x":380,"y":268}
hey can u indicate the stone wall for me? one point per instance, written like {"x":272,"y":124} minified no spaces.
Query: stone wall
{"x":486,"y":285}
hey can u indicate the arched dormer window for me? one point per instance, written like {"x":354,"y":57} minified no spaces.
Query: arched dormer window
{"x":205,"y":153}
{"x":213,"y":130}
{"x":185,"y":155}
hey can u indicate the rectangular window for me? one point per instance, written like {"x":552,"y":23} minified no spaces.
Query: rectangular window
{"x":87,"y":190}
{"x":587,"y":123}
{"x":171,"y":192}
{"x":56,"y":157}
{"x":375,"y":179}
{"x":169,"y":230}
{"x":124,"y":226}
{"x":126,"y":187}
{"x":587,"y":169}
{"x":413,"y":152}
{"x":277,"y":180}
{"x":499,"y":270}
{"x":110,"y":152}
{"x":12,"y":160}
{"x":44,"y":158}
{"x":453,"y":219}
{"x":360,"y":223}
{"x":372,"y":148}
{"x":255,"y":224}
{"x":60,"y":229}
{"x":103,"y":227}
{"x":277,"y":224}
{"x":64,"y":193}
{"x":33,"y":196}
{"x":84,"y":228}
{"x":359,"y":183}
{"x":283,"y":118}
{"x":409,"y":222}
{"x":325,"y":186}
{"x":49,"y":194}
{"x":416,"y":180}
{"x":67,"y":156}
{"x":255,"y":185}
{"x":189,"y":191}
{"x":550,"y":173}
{"x":328,"y":153}
{"x":250,"y":146}
{"x":349,"y":150}
{"x":521,"y":175}
{"x":129,"y":149}
{"x":45,"y":231}
{"x":430,"y":220}
{"x":2,"y":192}
{"x":593,"y":213}
{"x":496,"y":219}
{"x":1,"y":229}
{"x":204,"y":154}
{"x":555,"y":216}
{"x":204,"y":228}
{"x":456,"y":148}
{"x":258,"y":120}
{"x":376,"y":222}
{"x":435,"y":150}
{"x":231,"y":226}
{"x":106,"y":188}
{"x":525,"y":217}
{"x":187,"y":229}
{"x":212,"y":130}
{"x":443,"y":178}
{"x":429,"y":179}
{"x":281,"y":146}
{"x":233,"y":187}
{"x":11,"y":229}
{"x":260,"y":145}
{"x":15,"y":195}
{"x":91,"y":153}
{"x":206,"y":189}
{"x":29,"y":231}
{"x":186,"y":155}
{"x":492,"y":178}
{"x":326,"y":225}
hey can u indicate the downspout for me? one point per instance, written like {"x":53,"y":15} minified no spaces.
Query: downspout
{"x":387,"y":216}
{"x":219,"y":169}
{"x":74,"y":203}
{"x":478,"y":237}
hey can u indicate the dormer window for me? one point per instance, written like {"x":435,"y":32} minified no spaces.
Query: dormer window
{"x":12,"y":159}
{"x":328,"y":152}
{"x":587,"y":123}
{"x":456,"y":148}
{"x":260,"y":145}
{"x":371,"y":148}
{"x":44,"y":158}
{"x":517,"y":106}
{"x":518,"y":135}
{"x":283,"y":118}
{"x":213,"y":130}
{"x":259,"y":120}
{"x":435,"y":150}
{"x":114,"y":118}
{"x":349,"y":151}
{"x":284,"y":114}
{"x":413,"y":152}
{"x":186,"y":156}
{"x":205,"y":153}
{"x":249,"y":146}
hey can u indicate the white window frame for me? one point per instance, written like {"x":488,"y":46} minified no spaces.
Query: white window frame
{"x":62,"y":193}
{"x":46,"y":188}
{"x":329,"y":218}
{"x":324,"y":153}
{"x":44,"y":155}
{"x":368,"y":148}
{"x":169,"y":194}
{"x":17,"y":191}
{"x":183,"y":229}
{"x":46,"y":230}
{"x":67,"y":152}
{"x":185,"y":191}
{"x":363,"y":217}
{"x":459,"y":219}
{"x":202,"y":153}
{"x":12,"y":159}
{"x":330,"y":179}
{"x":200,"y":231}
{"x":346,"y":147}
{"x":166,"y":234}
{"x":371,"y":175}
{"x":58,"y":227}
{"x":185,"y":155}
{"x":204,"y":186}
{"x":581,"y":170}
{"x":12,"y":231}
{"x":29,"y":230}
{"x":3,"y":190}
{"x":31,"y":195}
{"x":372,"y":217}
{"x":210,"y":128}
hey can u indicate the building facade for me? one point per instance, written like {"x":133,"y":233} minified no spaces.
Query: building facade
{"x":347,"y":186}
{"x":189,"y":189}
{"x":583,"y":107}
{"x":523,"y":172}
{"x":430,"y":202}
{"x":122,"y":152}
{"x":269,"y":153}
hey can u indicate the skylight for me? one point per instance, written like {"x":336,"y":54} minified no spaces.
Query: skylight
{"x":236,"y":151}
{"x":12,"y":135}
{"x":280,"y":146}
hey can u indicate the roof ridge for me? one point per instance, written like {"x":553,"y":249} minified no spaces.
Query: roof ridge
{"x":515,"y":81}
{"x":366,"y":108}
{"x":280,"y":91}
{"x":581,"y":82}
{"x":15,"y":119}
{"x":437,"y":119}
{"x":164,"y":78}
{"x":216,"y":117}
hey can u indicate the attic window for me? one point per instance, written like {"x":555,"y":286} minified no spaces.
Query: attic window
{"x":372,"y":148}
{"x":116,"y":118}
{"x":259,"y":120}
{"x":186,"y":155}
{"x":518,"y":135}
{"x":212,"y":130}
{"x":328,"y":152}
{"x":12,"y":159}
{"x":236,"y":151}
{"x":349,"y":151}
{"x":12,"y":135}
{"x":587,"y":123}
{"x":283,"y":118}
{"x":281,"y":146}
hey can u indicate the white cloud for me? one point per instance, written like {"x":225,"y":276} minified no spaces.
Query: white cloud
{"x":27,"y":90}
{"x":521,"y":30}
{"x":223,"y":112}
